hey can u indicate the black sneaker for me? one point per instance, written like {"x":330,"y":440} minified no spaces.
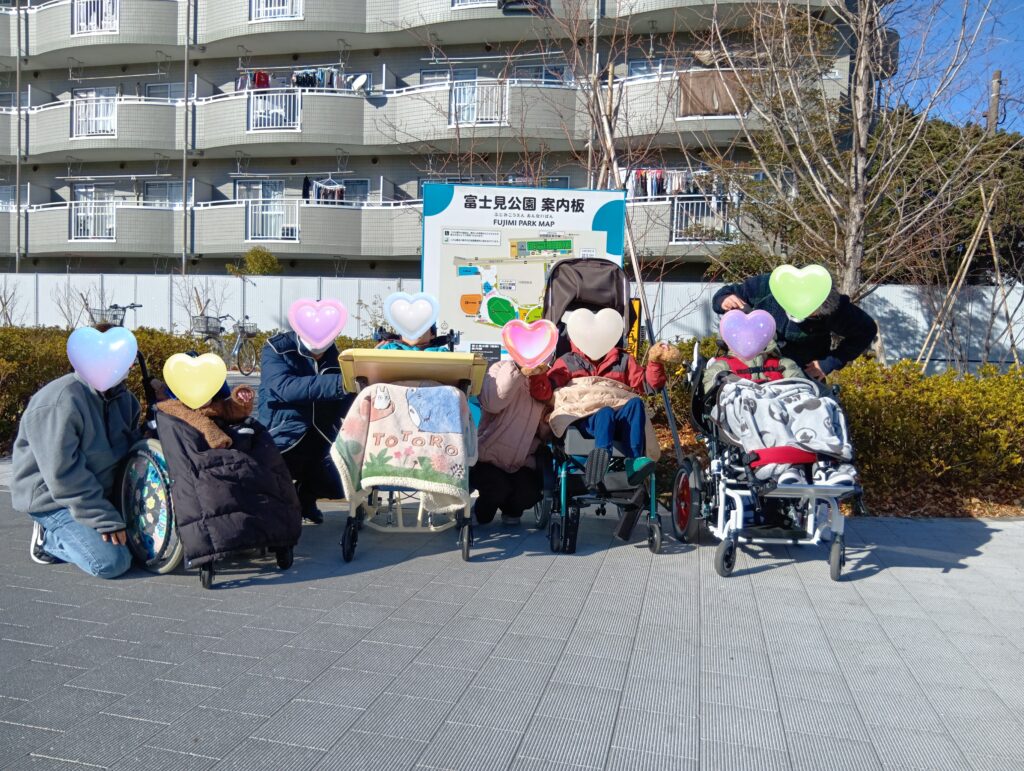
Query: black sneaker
{"x":36,"y":551}
{"x":314,"y":515}
{"x":596,"y":468}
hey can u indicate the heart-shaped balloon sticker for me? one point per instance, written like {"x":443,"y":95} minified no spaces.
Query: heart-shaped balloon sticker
{"x":529,"y":344}
{"x":411,"y":314}
{"x":594,"y":333}
{"x":800,"y":291}
{"x":102,"y":359}
{"x":747,"y":334}
{"x":317,"y":322}
{"x":195,"y":380}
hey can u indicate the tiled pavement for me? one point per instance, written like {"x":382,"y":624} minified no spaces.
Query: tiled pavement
{"x":608,"y":659}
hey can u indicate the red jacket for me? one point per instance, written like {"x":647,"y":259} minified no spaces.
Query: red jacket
{"x":618,"y":365}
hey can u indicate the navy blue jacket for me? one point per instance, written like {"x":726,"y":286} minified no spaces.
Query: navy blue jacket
{"x":811,"y":339}
{"x":297,"y":393}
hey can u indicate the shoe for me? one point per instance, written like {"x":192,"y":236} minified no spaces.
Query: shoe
{"x":822,"y":472}
{"x":596,"y":468}
{"x":36,"y":551}
{"x":314,"y":515}
{"x":791,"y":477}
{"x":638,"y":469}
{"x":511,"y":521}
{"x":845,"y":475}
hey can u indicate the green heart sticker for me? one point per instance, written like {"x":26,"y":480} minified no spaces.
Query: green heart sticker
{"x":800,"y":291}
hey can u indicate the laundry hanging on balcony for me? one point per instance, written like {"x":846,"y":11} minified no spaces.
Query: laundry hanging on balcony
{"x":327,"y":191}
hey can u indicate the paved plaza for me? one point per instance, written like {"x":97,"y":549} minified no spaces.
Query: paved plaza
{"x":612,"y":658}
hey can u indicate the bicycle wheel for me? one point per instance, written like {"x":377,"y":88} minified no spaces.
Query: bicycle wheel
{"x":214,"y":344}
{"x":247,"y":358}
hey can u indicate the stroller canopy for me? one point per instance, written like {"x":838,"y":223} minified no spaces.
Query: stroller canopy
{"x":585,"y":283}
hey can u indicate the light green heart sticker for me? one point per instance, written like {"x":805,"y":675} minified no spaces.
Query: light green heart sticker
{"x":800,"y":291}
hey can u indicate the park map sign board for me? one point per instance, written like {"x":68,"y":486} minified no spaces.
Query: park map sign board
{"x":487,"y":250}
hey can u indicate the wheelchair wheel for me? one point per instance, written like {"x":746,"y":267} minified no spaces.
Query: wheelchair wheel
{"x":725,"y":557}
{"x":542,"y":513}
{"x":836,"y":558}
{"x":206,"y":574}
{"x":349,"y":539}
{"x":465,"y":540}
{"x":654,"y":536}
{"x":572,"y":529}
{"x":144,"y":495}
{"x":686,"y":502}
{"x":555,"y":537}
{"x":285,"y":557}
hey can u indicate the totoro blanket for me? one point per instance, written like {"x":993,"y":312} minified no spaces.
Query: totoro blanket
{"x":415,"y":437}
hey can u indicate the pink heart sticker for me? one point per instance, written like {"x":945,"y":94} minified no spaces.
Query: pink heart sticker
{"x":747,"y":334}
{"x":529,"y":344}
{"x":318,"y":322}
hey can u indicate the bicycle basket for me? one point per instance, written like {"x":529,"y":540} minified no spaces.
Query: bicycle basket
{"x":112,"y":316}
{"x":246,"y":329}
{"x":205,"y":325}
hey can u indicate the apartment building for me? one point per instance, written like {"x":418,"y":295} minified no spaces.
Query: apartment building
{"x":162,"y":134}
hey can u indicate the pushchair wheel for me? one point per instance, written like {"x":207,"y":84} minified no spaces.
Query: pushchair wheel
{"x":542,"y":512}
{"x":285,"y":557}
{"x":555,"y":537}
{"x":836,"y":558}
{"x":725,"y":557}
{"x":654,"y":537}
{"x":572,"y":529}
{"x":465,"y":540}
{"x":206,"y":574}
{"x":349,"y":539}
{"x":686,"y":502}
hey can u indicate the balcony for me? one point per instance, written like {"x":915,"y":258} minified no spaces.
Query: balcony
{"x":275,"y":110}
{"x":104,"y":228}
{"x":478,"y":103}
{"x":113,"y":128}
{"x":275,"y":10}
{"x":681,"y":226}
{"x":298,"y":228}
{"x":677,"y":109}
{"x":93,"y":17}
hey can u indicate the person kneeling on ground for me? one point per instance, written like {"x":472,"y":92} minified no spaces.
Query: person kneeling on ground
{"x":625,"y":423}
{"x":302,"y":402}
{"x":70,"y":443}
{"x":509,"y":473}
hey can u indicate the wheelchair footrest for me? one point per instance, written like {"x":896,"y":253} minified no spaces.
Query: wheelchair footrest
{"x":773,"y":531}
{"x":839,"y":492}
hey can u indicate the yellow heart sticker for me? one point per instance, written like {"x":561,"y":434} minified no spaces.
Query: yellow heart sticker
{"x":195,"y":380}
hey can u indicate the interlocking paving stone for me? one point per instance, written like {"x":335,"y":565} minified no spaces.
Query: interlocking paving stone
{"x":253,"y":694}
{"x":346,"y":687}
{"x":904,"y":748}
{"x":378,"y":657}
{"x":461,"y":748}
{"x":16,"y":741}
{"x":372,"y":752}
{"x":499,"y":709}
{"x":31,"y":678}
{"x":447,"y":651}
{"x":588,"y":670}
{"x":658,"y":732}
{"x":291,"y":663}
{"x":308,"y":724}
{"x":258,"y":755}
{"x":206,"y":731}
{"x":153,"y":759}
{"x":60,"y":708}
{"x":159,"y":701}
{"x":101,"y":740}
{"x":407,"y":717}
{"x":571,"y":742}
{"x":522,"y":676}
{"x":579,"y":702}
{"x":620,"y":759}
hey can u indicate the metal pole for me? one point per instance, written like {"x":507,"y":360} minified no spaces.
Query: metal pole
{"x":184,"y":143}
{"x":592,"y":85}
{"x":17,"y":162}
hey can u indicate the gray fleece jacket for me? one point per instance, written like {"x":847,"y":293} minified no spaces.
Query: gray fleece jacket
{"x":70,"y":442}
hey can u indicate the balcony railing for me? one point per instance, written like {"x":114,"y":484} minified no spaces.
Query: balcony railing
{"x":274,"y":10}
{"x":93,"y":16}
{"x":94,"y":117}
{"x":275,"y":110}
{"x":478,"y":103}
{"x":93,"y":221}
{"x":701,"y":218}
{"x":474,"y":3}
{"x":276,"y":220}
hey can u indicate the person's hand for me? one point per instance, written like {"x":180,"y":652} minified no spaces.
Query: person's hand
{"x":538,"y":370}
{"x":160,"y":390}
{"x":664,"y":353}
{"x":118,"y":537}
{"x":814,"y":372}
{"x":733,"y":303}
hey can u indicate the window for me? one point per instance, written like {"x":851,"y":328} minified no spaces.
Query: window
{"x":7,"y":99}
{"x":517,"y":180}
{"x":544,"y":73}
{"x":443,"y":76}
{"x":162,"y":193}
{"x":641,"y":67}
{"x":168,"y":91}
{"x":270,"y":10}
{"x":258,"y":189}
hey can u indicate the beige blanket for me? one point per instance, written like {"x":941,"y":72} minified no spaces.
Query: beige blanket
{"x":584,"y":396}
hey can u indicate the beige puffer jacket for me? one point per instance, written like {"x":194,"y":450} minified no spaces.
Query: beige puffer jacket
{"x":510,"y":420}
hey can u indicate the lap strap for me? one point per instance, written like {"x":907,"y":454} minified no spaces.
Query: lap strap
{"x":790,"y":455}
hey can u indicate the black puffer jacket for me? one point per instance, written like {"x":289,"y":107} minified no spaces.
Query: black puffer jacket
{"x":228,"y":500}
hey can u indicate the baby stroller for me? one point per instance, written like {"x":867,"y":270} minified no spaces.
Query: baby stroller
{"x":738,"y":507}
{"x":591,"y":284}
{"x":153,"y":467}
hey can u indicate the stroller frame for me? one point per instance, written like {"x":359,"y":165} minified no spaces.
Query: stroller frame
{"x":728,"y":496}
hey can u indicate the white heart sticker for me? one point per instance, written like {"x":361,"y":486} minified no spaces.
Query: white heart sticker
{"x":595,"y":333}
{"x":410,"y":315}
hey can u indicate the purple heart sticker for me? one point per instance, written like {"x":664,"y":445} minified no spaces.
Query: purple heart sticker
{"x":747,"y":334}
{"x":102,"y":359}
{"x":318,"y":322}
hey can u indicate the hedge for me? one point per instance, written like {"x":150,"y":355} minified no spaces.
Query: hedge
{"x":949,"y":445}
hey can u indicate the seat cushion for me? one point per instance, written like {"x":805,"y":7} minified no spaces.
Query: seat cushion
{"x":577,"y":444}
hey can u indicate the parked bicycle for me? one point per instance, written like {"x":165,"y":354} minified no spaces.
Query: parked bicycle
{"x":243,"y":353}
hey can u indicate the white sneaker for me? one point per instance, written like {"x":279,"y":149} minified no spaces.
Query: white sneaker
{"x":791,"y":477}
{"x":36,"y":551}
{"x":845,"y":475}
{"x":822,"y":472}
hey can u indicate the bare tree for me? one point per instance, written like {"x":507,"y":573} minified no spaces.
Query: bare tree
{"x":71,"y":304}
{"x":11,"y":312}
{"x":832,"y":115}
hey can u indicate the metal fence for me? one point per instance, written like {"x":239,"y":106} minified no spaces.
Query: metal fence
{"x":681,"y":310}
{"x":274,"y":220}
{"x":94,"y":117}
{"x":268,"y":10}
{"x":89,"y":16}
{"x":275,"y":109}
